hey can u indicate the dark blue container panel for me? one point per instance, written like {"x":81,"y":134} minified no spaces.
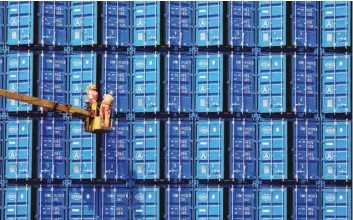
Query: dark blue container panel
{"x":209,"y":203}
{"x":273,"y":159}
{"x":2,"y":86}
{"x":209,"y":23}
{"x":52,"y":23}
{"x":337,"y":203}
{"x":2,"y":22}
{"x":17,"y":203}
{"x":242,"y":148}
{"x":82,"y":152}
{"x":306,"y":159}
{"x":50,"y":203}
{"x":146,"y":203}
{"x":20,"y":17}
{"x":272,"y":23}
{"x":178,"y":203}
{"x":209,"y":149}
{"x":116,"y":23}
{"x":18,"y":149}
{"x":241,"y":80}
{"x":178,"y":148}
{"x":336,"y":82}
{"x":178,"y":83}
{"x":304,"y":83}
{"x":209,"y":83}
{"x":51,"y":149}
{"x":242,"y":203}
{"x":241,"y":23}
{"x":179,"y":23}
{"x":115,"y":152}
{"x":336,"y":150}
{"x":115,"y":80}
{"x":19,"y":79}
{"x":306,"y":203}
{"x":145,"y":149}
{"x":305,"y":23}
{"x":83,"y":72}
{"x":272,"y":204}
{"x":336,"y":23}
{"x":114,"y":203}
{"x":146,"y":83}
{"x":147,"y":22}
{"x":271,"y":83}
{"x":83,"y":203}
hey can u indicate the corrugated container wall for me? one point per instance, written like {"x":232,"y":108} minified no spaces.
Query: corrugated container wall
{"x":17,"y":203}
{"x":50,"y":203}
{"x":209,"y":203}
{"x":2,"y":22}
{"x":178,"y":203}
{"x":337,"y":203}
{"x":306,"y":203}
{"x":146,"y":203}
{"x":272,"y":203}
{"x":242,"y":203}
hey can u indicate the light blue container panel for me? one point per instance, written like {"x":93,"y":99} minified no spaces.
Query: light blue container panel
{"x":146,"y":203}
{"x":19,"y":79}
{"x":242,"y":203}
{"x":52,"y":23}
{"x":241,"y":83}
{"x":114,"y":203}
{"x":50,"y":203}
{"x":116,"y":23}
{"x":83,"y":72}
{"x":146,"y":83}
{"x":272,"y":204}
{"x":271,"y":83}
{"x":18,"y":149}
{"x":336,"y":23}
{"x":337,"y":203}
{"x":241,"y":23}
{"x":145,"y":149}
{"x":82,"y":152}
{"x":83,"y":23}
{"x":147,"y":23}
{"x":209,"y":203}
{"x":17,"y":203}
{"x":209,"y":83}
{"x":115,"y":152}
{"x":178,"y":203}
{"x":209,"y":23}
{"x":20,"y":21}
{"x":2,"y":22}
{"x":209,"y":149}
{"x":272,"y":24}
{"x":336,"y":82}
{"x":179,"y":23}
{"x":336,"y":150}
{"x":306,"y":203}
{"x":273,"y":158}
{"x":178,"y":149}
{"x":178,"y":83}
{"x":83,"y":203}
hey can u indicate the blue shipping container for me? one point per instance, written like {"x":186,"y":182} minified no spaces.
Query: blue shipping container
{"x":178,"y":149}
{"x":272,"y":204}
{"x":337,"y":203}
{"x":306,"y":145}
{"x":2,"y":22}
{"x":52,"y":23}
{"x":210,"y":149}
{"x":272,"y":25}
{"x":17,"y":203}
{"x":146,"y":203}
{"x":336,"y":81}
{"x":241,"y":24}
{"x":146,"y":83}
{"x":18,"y":148}
{"x":115,"y":80}
{"x":51,"y":149}
{"x":147,"y":22}
{"x":209,"y":23}
{"x":271,"y":83}
{"x":273,"y":158}
{"x":50,"y":203}
{"x":83,"y":203}
{"x":179,"y":23}
{"x":178,"y":203}
{"x":306,"y":203}
{"x":209,"y":203}
{"x":336,"y":23}
{"x":115,"y":152}
{"x":114,"y":203}
{"x":336,"y":150}
{"x":20,"y":22}
{"x":146,"y":147}
{"x":242,"y":149}
{"x":2,"y":86}
{"x":83,"y":72}
{"x":241,"y":80}
{"x":242,"y":203}
{"x":178,"y":83}
{"x":19,"y":79}
{"x":116,"y":23}
{"x":82,"y":152}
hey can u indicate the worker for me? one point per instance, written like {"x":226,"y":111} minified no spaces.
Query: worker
{"x":105,"y":110}
{"x":91,"y":98}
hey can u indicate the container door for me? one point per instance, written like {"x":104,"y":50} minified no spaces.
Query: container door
{"x":306,"y":203}
{"x":146,"y":203}
{"x":273,"y":204}
{"x":209,"y":203}
{"x":114,"y":203}
{"x":17,"y":202}
{"x":242,"y":203}
{"x":337,"y":203}
{"x":83,"y":203}
{"x":178,"y":203}
{"x":50,"y":203}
